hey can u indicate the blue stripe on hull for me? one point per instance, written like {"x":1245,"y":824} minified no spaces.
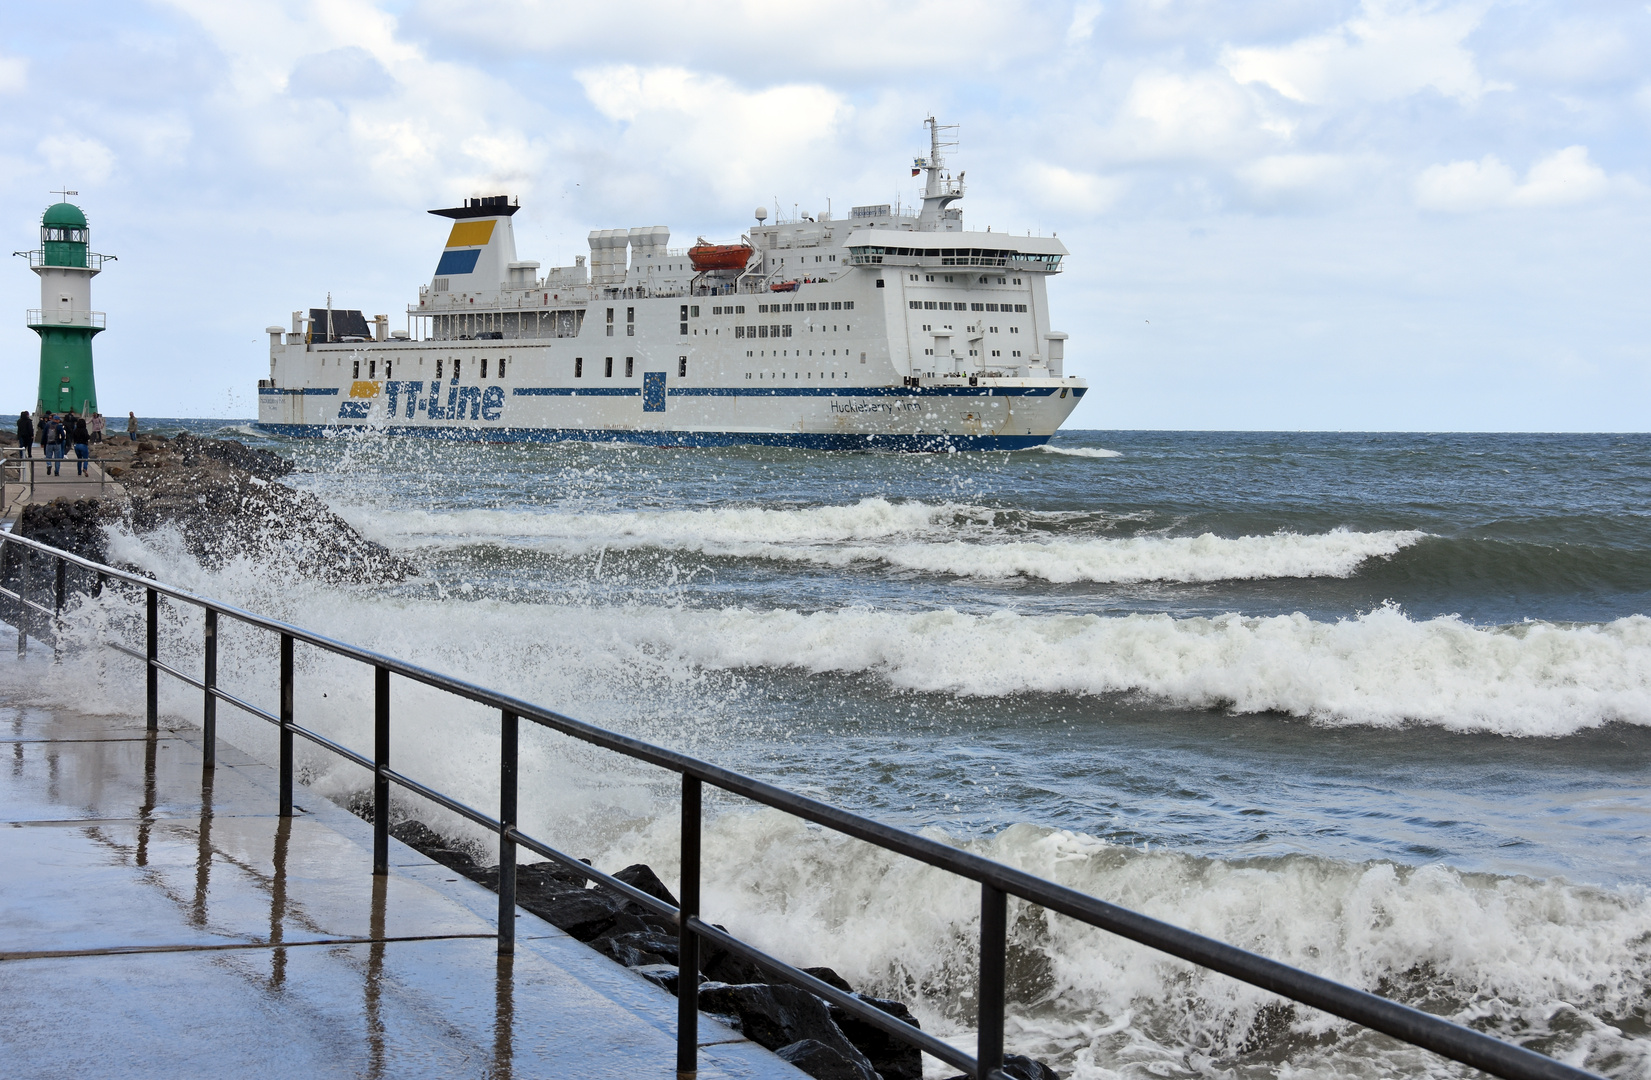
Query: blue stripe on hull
{"x":799,"y":440}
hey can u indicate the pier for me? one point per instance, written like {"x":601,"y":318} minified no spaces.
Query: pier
{"x":161,"y":919}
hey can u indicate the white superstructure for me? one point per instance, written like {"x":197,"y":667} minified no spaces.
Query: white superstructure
{"x":886,"y":329}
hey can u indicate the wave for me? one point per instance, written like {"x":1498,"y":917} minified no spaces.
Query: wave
{"x":1528,"y":959}
{"x":1080,"y":451}
{"x":1544,"y":961}
{"x":918,"y":537}
{"x":1380,"y":668}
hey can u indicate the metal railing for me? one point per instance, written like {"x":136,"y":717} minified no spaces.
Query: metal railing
{"x":28,"y":474}
{"x":74,"y":318}
{"x":997,"y":881}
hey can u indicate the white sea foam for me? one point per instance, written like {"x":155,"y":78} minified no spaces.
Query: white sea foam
{"x":1513,"y":955}
{"x":1080,"y":451}
{"x":947,"y":539}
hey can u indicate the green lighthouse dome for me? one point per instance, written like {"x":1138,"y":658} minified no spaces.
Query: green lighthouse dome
{"x":63,"y":235}
{"x":63,"y":216}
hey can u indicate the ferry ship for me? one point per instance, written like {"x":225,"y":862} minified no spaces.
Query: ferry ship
{"x":892,"y":329}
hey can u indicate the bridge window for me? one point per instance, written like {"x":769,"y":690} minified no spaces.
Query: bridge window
{"x":578,"y":367}
{"x":484,"y":368}
{"x":607,"y":368}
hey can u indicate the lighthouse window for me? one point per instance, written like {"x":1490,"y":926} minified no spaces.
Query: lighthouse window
{"x":578,"y":368}
{"x":607,"y":368}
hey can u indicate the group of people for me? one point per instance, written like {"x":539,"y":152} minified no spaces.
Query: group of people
{"x":58,"y":433}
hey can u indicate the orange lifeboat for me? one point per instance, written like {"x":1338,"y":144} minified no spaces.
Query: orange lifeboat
{"x":784,"y":286}
{"x":719,"y":256}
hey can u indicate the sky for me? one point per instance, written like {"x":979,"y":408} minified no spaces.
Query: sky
{"x":1283,"y":214}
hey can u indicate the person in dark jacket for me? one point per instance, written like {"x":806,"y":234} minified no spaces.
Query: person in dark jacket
{"x":40,"y":431}
{"x":82,"y":440}
{"x":55,"y":437}
{"x":25,"y":434}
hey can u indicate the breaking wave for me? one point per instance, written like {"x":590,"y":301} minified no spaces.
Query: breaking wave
{"x":1080,"y":451}
{"x":946,"y":539}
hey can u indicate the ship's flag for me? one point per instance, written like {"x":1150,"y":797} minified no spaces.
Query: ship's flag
{"x":914,"y":172}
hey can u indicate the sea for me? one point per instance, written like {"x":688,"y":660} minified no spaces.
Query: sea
{"x":1376,"y":705}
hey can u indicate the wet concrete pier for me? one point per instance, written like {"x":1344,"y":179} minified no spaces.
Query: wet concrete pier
{"x":159,"y":921}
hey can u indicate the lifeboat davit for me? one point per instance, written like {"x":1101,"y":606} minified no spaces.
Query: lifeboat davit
{"x":719,"y":256}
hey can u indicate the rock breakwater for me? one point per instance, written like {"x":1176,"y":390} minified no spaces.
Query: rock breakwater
{"x":819,"y":1038}
{"x":225,"y":500}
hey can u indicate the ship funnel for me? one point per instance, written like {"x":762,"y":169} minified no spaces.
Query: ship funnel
{"x":607,"y":257}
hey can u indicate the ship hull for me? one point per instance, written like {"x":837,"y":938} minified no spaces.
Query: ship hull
{"x":1003,"y":415}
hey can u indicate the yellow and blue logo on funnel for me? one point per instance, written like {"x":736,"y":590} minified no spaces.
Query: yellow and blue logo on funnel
{"x":464,"y":247}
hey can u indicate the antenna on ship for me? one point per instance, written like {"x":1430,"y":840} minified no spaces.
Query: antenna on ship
{"x":939,"y":189}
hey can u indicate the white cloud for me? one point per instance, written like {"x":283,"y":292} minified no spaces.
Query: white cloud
{"x":1204,"y":115}
{"x":1280,"y":176}
{"x":77,"y":159}
{"x":1564,"y":177}
{"x":1063,"y":189}
{"x":714,"y":129}
{"x":1393,"y":49}
{"x":14,"y":74}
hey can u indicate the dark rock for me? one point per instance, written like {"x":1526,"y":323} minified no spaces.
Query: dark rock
{"x":639,"y":949}
{"x":721,"y":965}
{"x":830,"y":978}
{"x":778,"y":1015}
{"x":894,"y":1058}
{"x":583,"y":915}
{"x":641,"y":877}
{"x":431,"y":844}
{"x":260,"y":463}
{"x":74,"y":525}
{"x":663,"y":975}
{"x":822,"y":1062}
{"x":1021,"y":1067}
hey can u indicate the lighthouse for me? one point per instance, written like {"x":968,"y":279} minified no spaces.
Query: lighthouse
{"x":65,"y":320}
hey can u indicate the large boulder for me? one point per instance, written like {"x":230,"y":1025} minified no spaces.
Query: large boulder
{"x":779,"y":1015}
{"x":822,"y":1062}
{"x":894,"y":1058}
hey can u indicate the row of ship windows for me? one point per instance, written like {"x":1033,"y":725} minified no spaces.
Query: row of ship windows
{"x":949,"y":278}
{"x":630,"y":367}
{"x":762,"y":353}
{"x":372,"y":368}
{"x":948,"y":305}
{"x":976,"y":352}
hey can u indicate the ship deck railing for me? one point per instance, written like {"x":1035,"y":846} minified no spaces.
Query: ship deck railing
{"x":29,"y":569}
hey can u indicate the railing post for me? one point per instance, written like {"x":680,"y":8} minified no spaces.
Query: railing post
{"x":687,"y":980}
{"x":508,"y":761}
{"x":381,"y":761}
{"x":286,"y":725}
{"x":209,"y":706}
{"x":23,"y":563}
{"x":994,"y":912}
{"x":152,"y":646}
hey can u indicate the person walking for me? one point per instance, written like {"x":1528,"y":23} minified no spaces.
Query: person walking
{"x":40,"y":431}
{"x":25,"y":434}
{"x":55,"y":439}
{"x":95,"y":426}
{"x":81,"y":437}
{"x":132,"y":426}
